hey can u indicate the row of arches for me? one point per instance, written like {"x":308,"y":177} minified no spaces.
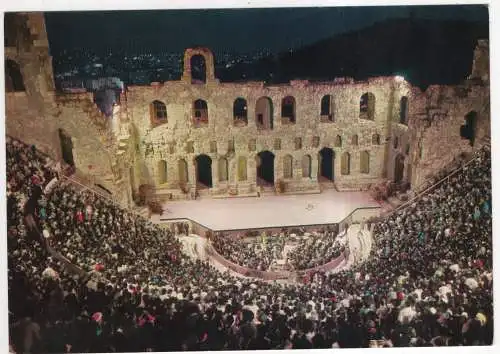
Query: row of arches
{"x":265,"y":164}
{"x":264,"y":115}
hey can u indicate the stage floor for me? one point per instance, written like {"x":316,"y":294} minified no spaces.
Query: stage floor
{"x":328,"y":207}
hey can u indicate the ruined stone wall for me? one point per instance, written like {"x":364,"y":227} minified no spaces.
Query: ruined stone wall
{"x":179,"y":130}
{"x":74,"y":116}
{"x":435,"y":123}
{"x":36,"y":114}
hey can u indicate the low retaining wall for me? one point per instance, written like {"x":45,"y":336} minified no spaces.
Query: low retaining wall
{"x":272,"y":275}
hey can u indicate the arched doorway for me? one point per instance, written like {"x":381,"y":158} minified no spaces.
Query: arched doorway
{"x":327,"y":164}
{"x":265,"y":168}
{"x":399,"y":168}
{"x":203,"y":171}
{"x":66,"y":148}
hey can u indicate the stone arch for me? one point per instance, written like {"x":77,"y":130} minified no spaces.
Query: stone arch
{"x":327,"y":163}
{"x":66,"y":147}
{"x":288,"y":166}
{"x":158,"y":112}
{"x":200,"y":113}
{"x":354,"y":140}
{"x":240,"y":112}
{"x":345,"y":164}
{"x":399,"y":168}
{"x":403,"y":110}
{"x":203,"y":164}
{"x":264,"y":113}
{"x":265,"y":168}
{"x":208,"y":60}
{"x":162,"y":172}
{"x":375,"y":139}
{"x":288,"y":110}
{"x":183,"y":171}
{"x":364,"y":162}
{"x":367,"y":106}
{"x":242,"y":169}
{"x":223,"y":169}
{"x":468,"y":130}
{"x":327,"y":109}
{"x":14,"y":81}
{"x":306,"y":166}
{"x":338,"y":141}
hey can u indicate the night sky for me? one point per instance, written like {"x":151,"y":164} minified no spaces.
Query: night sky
{"x":229,"y":29}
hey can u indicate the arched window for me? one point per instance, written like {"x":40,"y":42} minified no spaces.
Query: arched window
{"x":13,"y":78}
{"x":327,"y":109}
{"x":338,"y":141}
{"x":367,"y":106}
{"x":183,"y":171}
{"x":288,"y":166}
{"x":162,"y":172}
{"x":364,"y":162}
{"x":403,"y":110}
{"x":240,"y":111}
{"x":345,"y":164}
{"x":468,"y":130}
{"x":288,"y":109}
{"x":354,"y":140}
{"x":158,"y":112}
{"x":198,"y":69}
{"x":242,"y":168}
{"x":375,"y":139}
{"x":264,"y":113}
{"x":223,"y":174}
{"x":200,"y":112}
{"x":306,"y":166}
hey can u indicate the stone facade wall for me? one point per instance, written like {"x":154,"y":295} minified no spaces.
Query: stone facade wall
{"x":180,"y":130}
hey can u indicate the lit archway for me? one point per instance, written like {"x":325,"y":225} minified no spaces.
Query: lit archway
{"x":306,"y":166}
{"x":264,"y":113}
{"x":345,"y":164}
{"x":288,"y":166}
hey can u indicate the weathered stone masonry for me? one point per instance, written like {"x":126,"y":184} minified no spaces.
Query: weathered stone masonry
{"x":162,"y":134}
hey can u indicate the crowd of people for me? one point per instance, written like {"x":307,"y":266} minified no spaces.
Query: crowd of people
{"x":427,"y":282}
{"x":316,"y":250}
{"x":257,"y":253}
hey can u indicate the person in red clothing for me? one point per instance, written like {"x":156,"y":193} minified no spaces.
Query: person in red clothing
{"x":79,"y":216}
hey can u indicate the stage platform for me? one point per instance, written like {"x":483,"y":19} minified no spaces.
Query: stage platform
{"x":328,"y":207}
